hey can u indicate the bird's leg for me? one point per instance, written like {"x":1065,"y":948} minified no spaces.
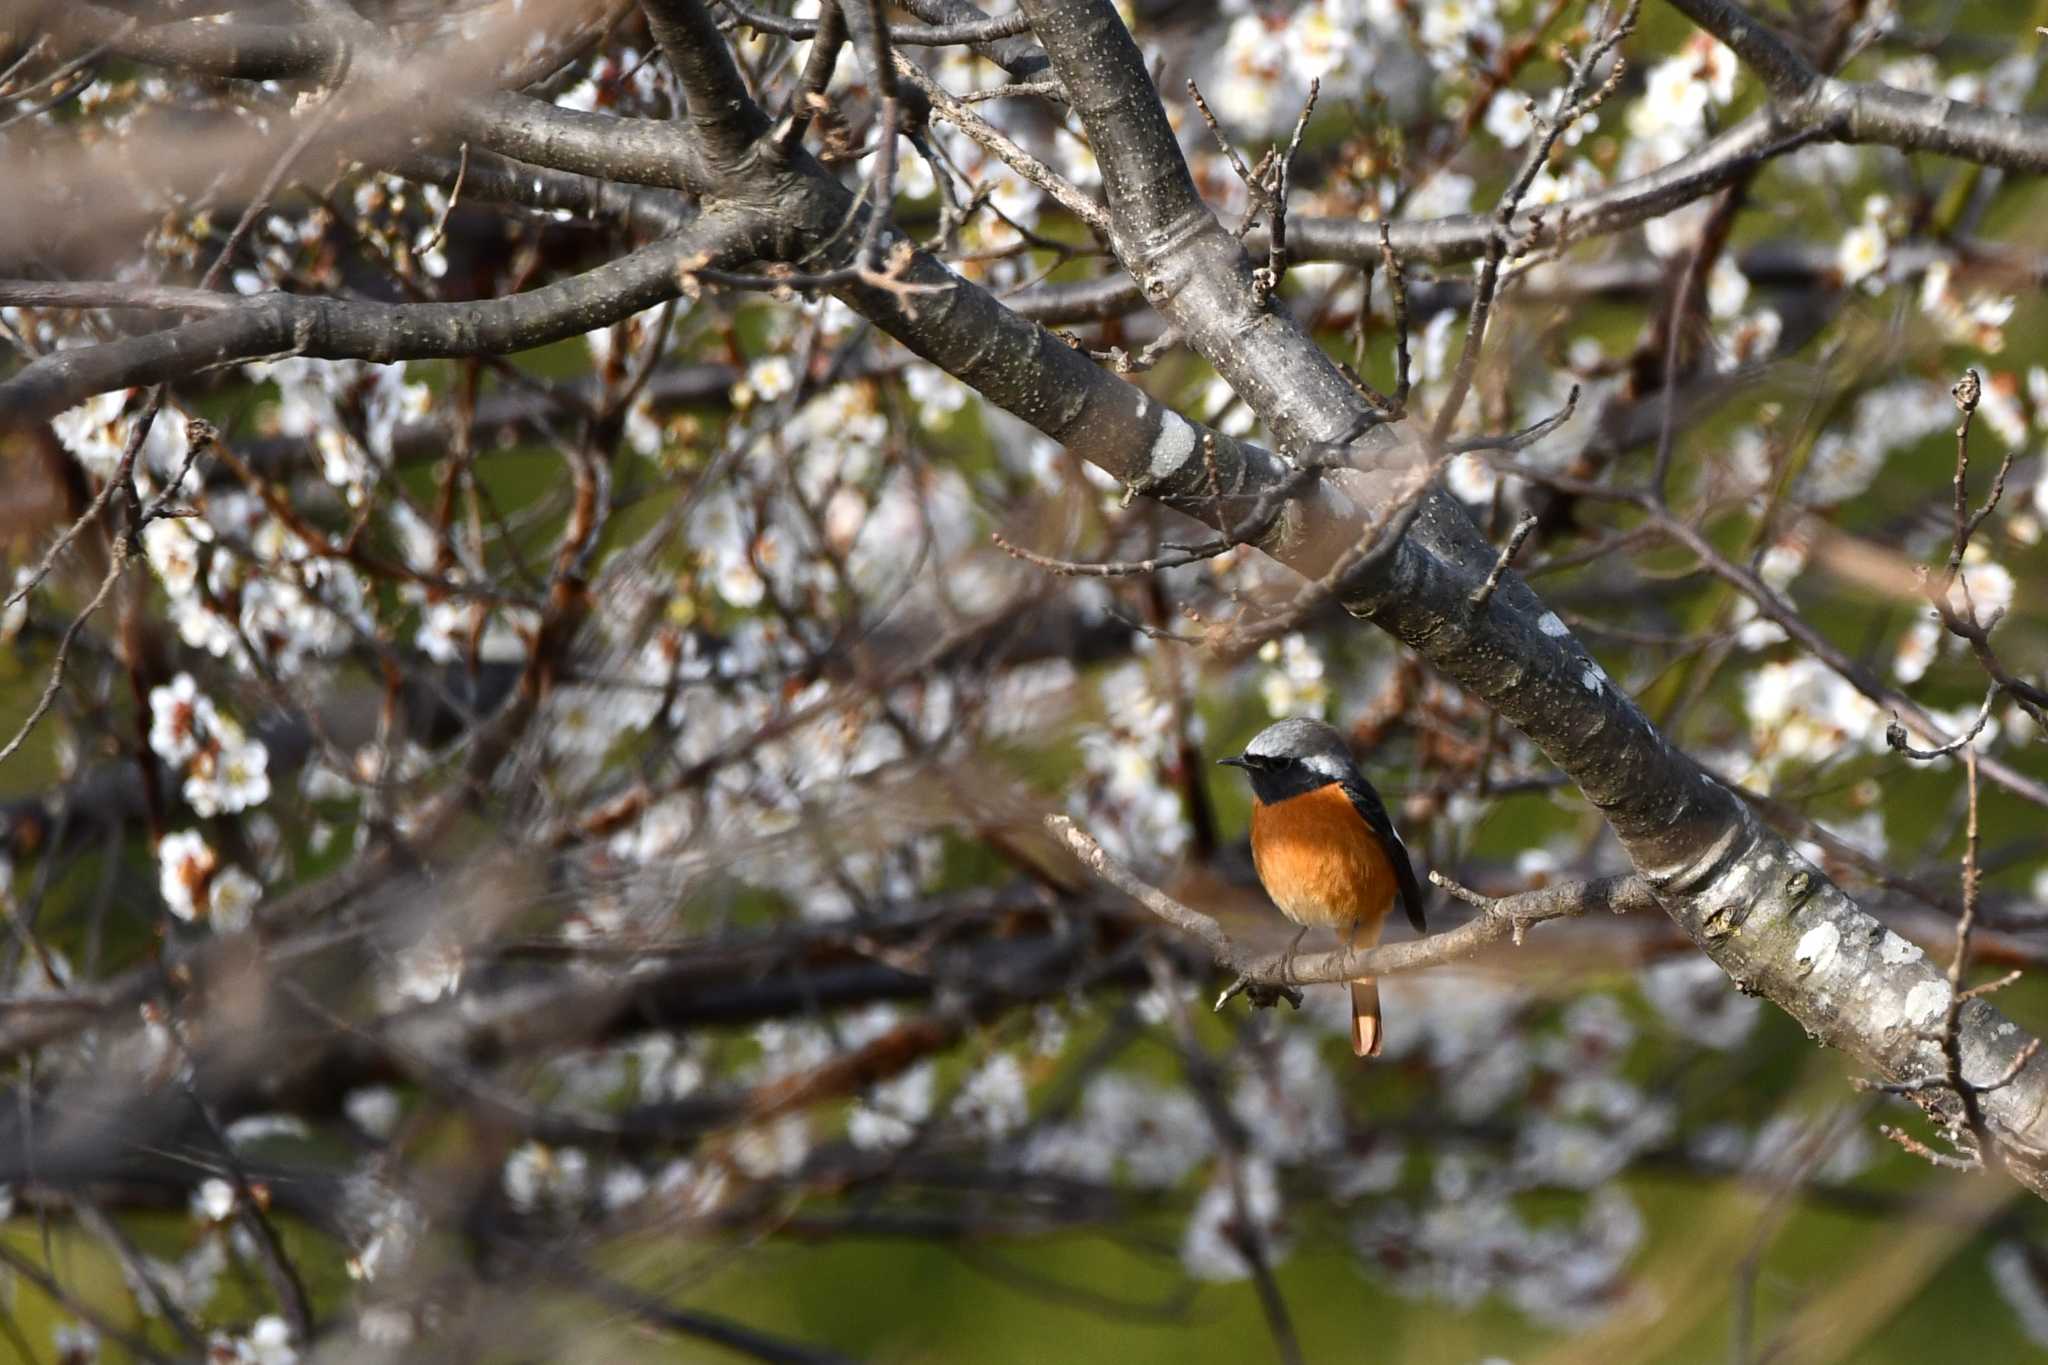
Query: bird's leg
{"x":1293,"y":948}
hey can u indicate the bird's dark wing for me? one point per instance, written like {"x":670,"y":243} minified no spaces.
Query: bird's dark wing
{"x":1366,"y":802}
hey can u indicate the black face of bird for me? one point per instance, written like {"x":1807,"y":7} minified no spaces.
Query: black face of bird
{"x":1276,"y":777}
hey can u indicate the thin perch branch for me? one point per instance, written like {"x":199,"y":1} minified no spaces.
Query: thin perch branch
{"x":1499,"y":918}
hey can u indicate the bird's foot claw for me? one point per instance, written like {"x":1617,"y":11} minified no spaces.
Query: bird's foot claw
{"x":1263,"y":995}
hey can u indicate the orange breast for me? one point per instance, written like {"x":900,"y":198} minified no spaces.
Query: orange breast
{"x":1320,"y":861}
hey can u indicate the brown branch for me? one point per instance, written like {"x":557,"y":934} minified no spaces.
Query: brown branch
{"x":1500,"y":918}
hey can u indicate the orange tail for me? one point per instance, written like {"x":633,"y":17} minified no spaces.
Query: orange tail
{"x":1365,"y":996}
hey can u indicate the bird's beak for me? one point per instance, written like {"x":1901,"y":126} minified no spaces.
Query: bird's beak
{"x":1234,"y":761}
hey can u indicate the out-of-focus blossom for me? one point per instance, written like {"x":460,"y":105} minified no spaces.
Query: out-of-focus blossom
{"x":538,"y":1177}
{"x":231,"y":899}
{"x":1678,"y":92}
{"x":994,"y":1099}
{"x":75,"y":1343}
{"x":1973,"y":317}
{"x":2021,"y":1277}
{"x":1509,"y":118}
{"x":184,"y":863}
{"x":1698,"y":1002}
{"x":1231,"y":1214}
{"x":889,"y":1114}
{"x":1865,"y":249}
{"x":374,"y":1109}
{"x":1293,"y":684}
{"x":1151,"y":1135}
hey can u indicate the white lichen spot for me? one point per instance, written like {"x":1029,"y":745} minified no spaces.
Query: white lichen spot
{"x":1550,"y":625}
{"x":1926,"y":1003}
{"x":2007,"y":1028}
{"x":1173,"y":445}
{"x":1896,"y":952}
{"x":1590,"y":680}
{"x":1817,"y":947}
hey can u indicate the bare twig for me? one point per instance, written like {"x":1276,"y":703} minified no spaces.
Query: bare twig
{"x":1265,"y":284}
{"x":1483,"y":594}
{"x":1895,"y":734}
{"x":1579,"y":98}
{"x":1952,"y":1022}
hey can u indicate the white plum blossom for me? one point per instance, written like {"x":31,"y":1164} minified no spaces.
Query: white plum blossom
{"x":1800,"y":710}
{"x":1442,"y":195}
{"x":622,"y":1187}
{"x":2019,"y":1281}
{"x":889,"y":1114}
{"x":937,"y":394}
{"x":994,"y":1099}
{"x":1674,"y":100}
{"x":231,"y":899}
{"x":776,"y":1148}
{"x":181,"y":717}
{"x":1231,"y":1213}
{"x":766,"y":380}
{"x":230,"y":775}
{"x":1919,"y":645}
{"x":1778,"y":566}
{"x":172,"y":545}
{"x":1149,"y":1134}
{"x":501,"y":634}
{"x":1289,"y":1104}
{"x":1323,"y":44}
{"x":184,"y":862}
{"x":538,"y":1177}
{"x":1972,"y":317}
{"x":95,"y":432}
{"x":424,"y":971}
{"x":1699,"y":1003}
{"x":1727,"y":288}
{"x":1674,"y":234}
{"x":1509,"y":118}
{"x":312,"y":398}
{"x":1982,"y":586}
{"x":269,"y":1343}
{"x":1842,"y":464}
{"x":1293,"y":684}
{"x":1455,"y":31}
{"x":374,"y":1109}
{"x":1248,"y":84}
{"x":213,"y":1201}
{"x":75,"y":1343}
{"x":1832,"y":1151}
{"x":1865,"y":249}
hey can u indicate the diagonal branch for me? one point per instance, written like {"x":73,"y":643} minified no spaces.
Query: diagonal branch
{"x":1765,"y":915}
{"x":724,"y":115}
{"x":1866,"y":111}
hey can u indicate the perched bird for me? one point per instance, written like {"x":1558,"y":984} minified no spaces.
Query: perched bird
{"x":1326,"y":852}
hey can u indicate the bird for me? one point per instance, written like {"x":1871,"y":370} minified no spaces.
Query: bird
{"x":1324,"y":848}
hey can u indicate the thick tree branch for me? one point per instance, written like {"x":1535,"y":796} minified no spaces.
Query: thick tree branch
{"x":1768,"y":918}
{"x":1865,"y":111}
{"x":727,"y":120}
{"x":273,"y":325}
